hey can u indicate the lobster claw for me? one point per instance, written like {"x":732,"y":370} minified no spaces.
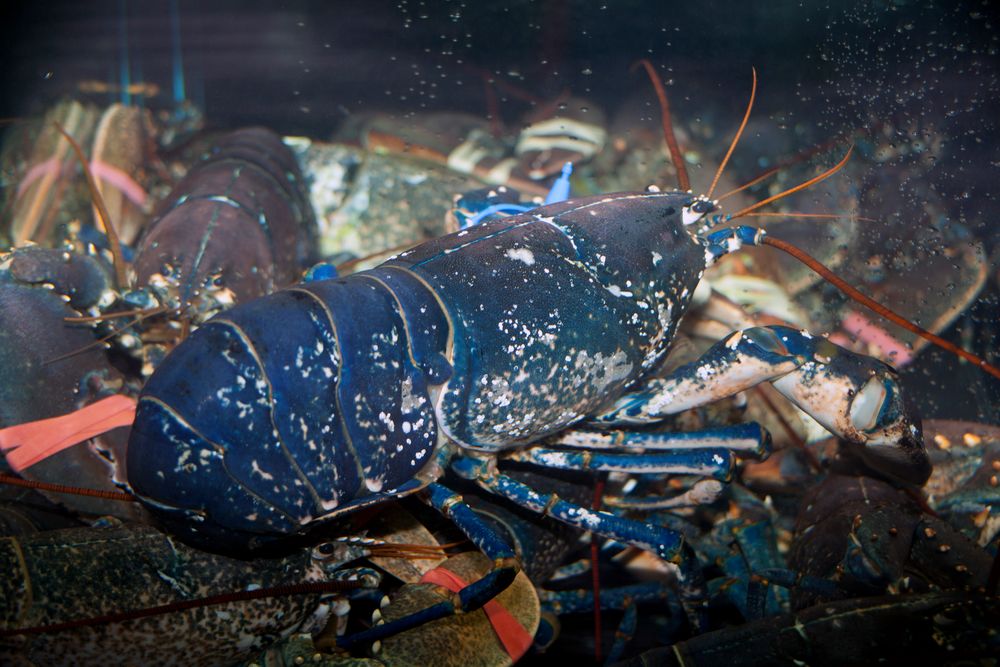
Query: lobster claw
{"x":859,"y":399}
{"x":905,"y":460}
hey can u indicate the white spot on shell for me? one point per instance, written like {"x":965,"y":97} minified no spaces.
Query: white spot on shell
{"x":521,"y":255}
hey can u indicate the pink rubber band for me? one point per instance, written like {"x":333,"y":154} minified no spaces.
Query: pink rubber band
{"x":120,"y":181}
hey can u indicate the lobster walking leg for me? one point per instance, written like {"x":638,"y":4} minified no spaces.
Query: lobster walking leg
{"x":658,"y":540}
{"x":663,"y":542}
{"x":710,"y":453}
{"x":715,"y":462}
{"x":749,"y":439}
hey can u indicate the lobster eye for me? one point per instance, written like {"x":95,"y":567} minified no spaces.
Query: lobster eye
{"x":697,"y":210}
{"x":868,"y":403}
{"x":324,"y":549}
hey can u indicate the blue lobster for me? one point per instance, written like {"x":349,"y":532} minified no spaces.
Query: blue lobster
{"x":532,"y":337}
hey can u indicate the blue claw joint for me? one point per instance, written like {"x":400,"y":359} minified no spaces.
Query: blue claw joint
{"x":558,"y":193}
{"x":731,"y":239}
{"x":560,"y":189}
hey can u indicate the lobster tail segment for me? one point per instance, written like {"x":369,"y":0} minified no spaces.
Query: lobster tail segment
{"x":290,"y":409}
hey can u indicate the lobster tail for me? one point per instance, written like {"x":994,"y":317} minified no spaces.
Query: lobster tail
{"x":288,"y":410}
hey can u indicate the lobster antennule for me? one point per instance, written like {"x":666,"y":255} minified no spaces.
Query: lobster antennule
{"x":818,"y":216}
{"x":103,"y":317}
{"x":795,"y":159}
{"x":144,"y":315}
{"x":801,"y":186}
{"x":736,"y":139}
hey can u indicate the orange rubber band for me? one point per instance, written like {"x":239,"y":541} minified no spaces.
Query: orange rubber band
{"x":25,"y":445}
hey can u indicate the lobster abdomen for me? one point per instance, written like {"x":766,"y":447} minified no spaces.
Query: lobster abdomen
{"x":290,"y":408}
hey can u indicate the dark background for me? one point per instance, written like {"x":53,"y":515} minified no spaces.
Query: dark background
{"x":303,"y":67}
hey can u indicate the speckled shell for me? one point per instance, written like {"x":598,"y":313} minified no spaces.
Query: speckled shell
{"x":292,"y":408}
{"x":329,"y":396}
{"x":80,"y":573}
{"x":556,"y":312}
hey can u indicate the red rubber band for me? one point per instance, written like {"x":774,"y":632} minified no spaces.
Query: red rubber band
{"x":512,"y":635}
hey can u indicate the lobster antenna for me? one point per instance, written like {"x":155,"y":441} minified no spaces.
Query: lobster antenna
{"x":493,"y":109}
{"x":102,"y":211}
{"x":400,"y":550}
{"x":754,"y":181}
{"x":347,"y":266}
{"x":595,"y":571}
{"x":795,"y":159}
{"x":875,"y":306}
{"x":846,"y":288}
{"x":545,"y":108}
{"x":824,"y":216}
{"x":736,"y":139}
{"x":383,"y":141}
{"x":683,"y":182}
{"x":306,"y":588}
{"x":801,"y":186}
{"x":103,"y":317}
{"x":103,"y":339}
{"x":72,"y":490}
